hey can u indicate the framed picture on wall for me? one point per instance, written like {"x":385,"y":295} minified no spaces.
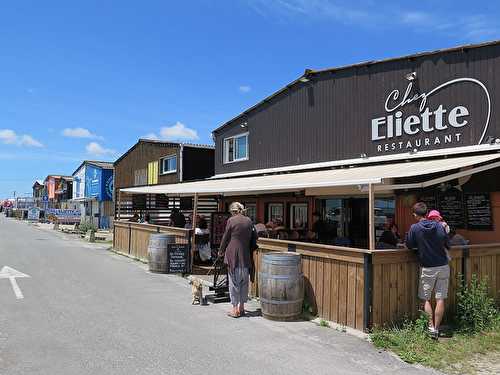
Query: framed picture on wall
{"x":251,"y":211}
{"x":298,"y":216}
{"x":275,"y":213}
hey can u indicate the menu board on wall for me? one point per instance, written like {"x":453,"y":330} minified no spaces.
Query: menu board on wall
{"x":451,"y":207}
{"x":178,"y":257}
{"x":138,"y":202}
{"x":218,"y":226}
{"x":429,"y":199}
{"x":479,"y":215}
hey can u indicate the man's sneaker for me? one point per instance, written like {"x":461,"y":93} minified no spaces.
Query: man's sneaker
{"x":435,"y":334}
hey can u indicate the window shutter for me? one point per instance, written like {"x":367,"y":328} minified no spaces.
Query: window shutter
{"x":153,"y":173}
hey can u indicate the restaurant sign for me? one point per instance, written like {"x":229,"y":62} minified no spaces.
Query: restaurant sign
{"x":417,"y":120}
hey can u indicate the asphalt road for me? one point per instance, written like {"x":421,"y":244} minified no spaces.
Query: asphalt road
{"x":88,"y":311}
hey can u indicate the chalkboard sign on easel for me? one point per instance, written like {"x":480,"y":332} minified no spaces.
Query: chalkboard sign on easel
{"x":177,"y":257}
{"x":479,"y":215}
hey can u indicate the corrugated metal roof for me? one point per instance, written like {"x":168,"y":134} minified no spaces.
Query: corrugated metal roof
{"x":162,"y":143}
{"x":375,"y":174}
{"x":99,"y":164}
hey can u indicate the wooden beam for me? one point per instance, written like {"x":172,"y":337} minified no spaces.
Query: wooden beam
{"x":119,"y":204}
{"x":371,"y":216}
{"x":193,"y":227}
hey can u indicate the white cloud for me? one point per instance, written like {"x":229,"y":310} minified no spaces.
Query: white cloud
{"x":244,"y":89}
{"x":9,"y":137}
{"x":94,"y":148}
{"x":375,"y":15}
{"x":178,"y":131}
{"x":28,"y":140}
{"x":152,"y":136}
{"x":79,"y":133}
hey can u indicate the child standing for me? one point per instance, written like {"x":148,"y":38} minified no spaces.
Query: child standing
{"x":435,"y":215}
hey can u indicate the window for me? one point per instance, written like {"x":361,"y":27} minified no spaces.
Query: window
{"x":140,"y":177}
{"x":298,"y":216}
{"x":275,"y":213}
{"x":251,"y":211}
{"x":169,"y":164}
{"x":236,"y":148}
{"x":153,"y":173}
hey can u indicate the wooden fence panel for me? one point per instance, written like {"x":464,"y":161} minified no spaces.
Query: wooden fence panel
{"x":133,"y":238}
{"x":333,"y":276}
{"x":121,"y":237}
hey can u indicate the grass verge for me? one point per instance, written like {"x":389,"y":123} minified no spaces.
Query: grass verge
{"x":455,"y":354}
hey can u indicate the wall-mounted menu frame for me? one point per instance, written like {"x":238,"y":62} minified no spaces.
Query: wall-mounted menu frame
{"x":479,"y":213}
{"x":451,"y":206}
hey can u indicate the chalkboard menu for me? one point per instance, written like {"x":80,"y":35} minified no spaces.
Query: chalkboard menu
{"x":218,"y":226}
{"x":479,"y":211}
{"x":177,"y":257}
{"x":429,"y":200}
{"x":138,"y":202}
{"x":161,"y":201}
{"x":451,"y":207}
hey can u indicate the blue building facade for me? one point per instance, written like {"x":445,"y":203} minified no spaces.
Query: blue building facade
{"x":93,"y":183}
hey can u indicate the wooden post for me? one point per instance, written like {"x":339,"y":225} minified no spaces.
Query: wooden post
{"x":118,"y":204}
{"x":193,"y":228}
{"x":371,"y":216}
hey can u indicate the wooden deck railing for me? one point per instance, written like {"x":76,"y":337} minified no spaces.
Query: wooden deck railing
{"x":132,"y":239}
{"x":361,"y":288}
{"x":355,"y":287}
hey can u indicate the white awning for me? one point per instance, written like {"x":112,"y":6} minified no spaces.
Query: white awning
{"x":363,"y":175}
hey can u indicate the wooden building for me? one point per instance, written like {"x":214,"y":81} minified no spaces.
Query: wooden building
{"x":150,"y":163}
{"x":38,"y":192}
{"x":359,"y":145}
{"x":59,"y":191}
{"x":93,"y":191}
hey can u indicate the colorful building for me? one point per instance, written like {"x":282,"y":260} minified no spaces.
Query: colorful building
{"x":93,"y":191}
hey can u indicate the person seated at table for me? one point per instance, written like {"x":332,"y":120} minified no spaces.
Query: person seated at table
{"x":320,"y":228}
{"x":177,"y":219}
{"x":202,"y":239}
{"x":387,"y":240}
{"x":457,"y":239}
{"x":261,"y":230}
{"x":135,"y":218}
{"x":390,"y":238}
{"x":147,"y":219}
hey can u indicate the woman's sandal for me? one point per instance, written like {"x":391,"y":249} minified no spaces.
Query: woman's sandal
{"x":232,"y":315}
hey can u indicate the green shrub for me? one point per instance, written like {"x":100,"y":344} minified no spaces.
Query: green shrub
{"x":475,"y":310}
{"x":324,"y":323}
{"x":85,"y":226}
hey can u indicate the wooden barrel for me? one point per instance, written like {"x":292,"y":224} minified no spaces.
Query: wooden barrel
{"x":157,"y":252}
{"x":281,"y":286}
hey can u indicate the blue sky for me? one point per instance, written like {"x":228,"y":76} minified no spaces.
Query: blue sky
{"x":84,"y":80}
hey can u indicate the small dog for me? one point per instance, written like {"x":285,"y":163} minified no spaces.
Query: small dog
{"x":196,"y":291}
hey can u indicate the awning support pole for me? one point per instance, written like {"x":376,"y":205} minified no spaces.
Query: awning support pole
{"x":119,"y":203}
{"x":371,"y":216}
{"x":193,"y":228}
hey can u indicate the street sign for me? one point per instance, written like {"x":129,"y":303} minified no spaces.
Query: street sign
{"x":11,"y":274}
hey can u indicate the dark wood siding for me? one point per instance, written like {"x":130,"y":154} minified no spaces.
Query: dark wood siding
{"x":330,"y":117}
{"x":198,"y":163}
{"x":137,"y":159}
